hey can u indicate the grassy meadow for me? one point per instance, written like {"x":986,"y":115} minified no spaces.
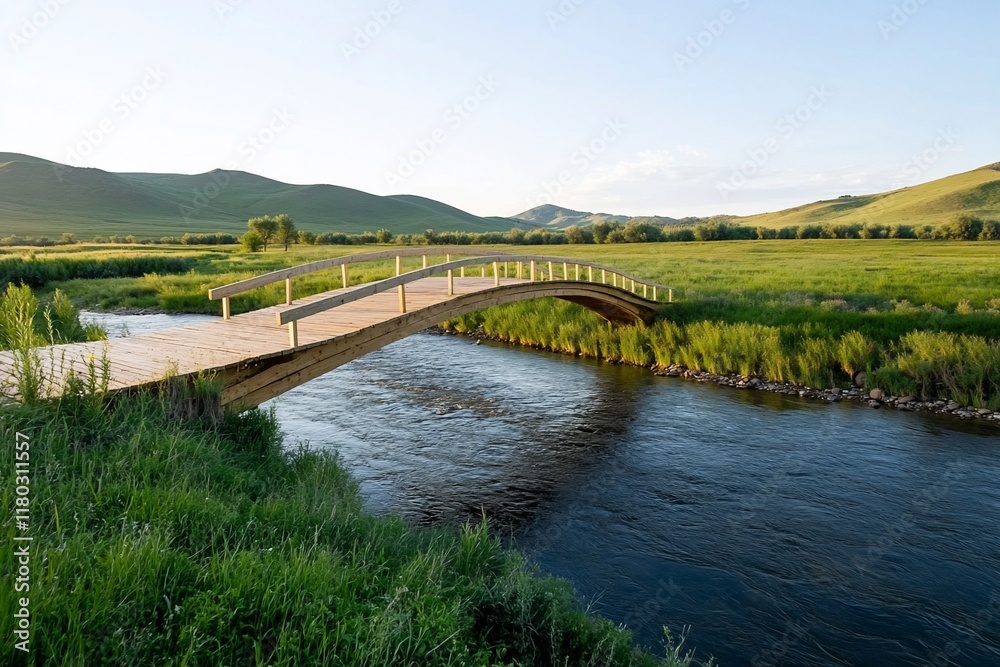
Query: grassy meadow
{"x":920,"y":317}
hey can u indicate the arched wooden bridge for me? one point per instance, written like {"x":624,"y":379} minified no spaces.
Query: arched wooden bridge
{"x":262,"y":354}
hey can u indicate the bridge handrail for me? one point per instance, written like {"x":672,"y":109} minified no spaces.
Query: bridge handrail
{"x":232,"y":289}
{"x":295,"y":313}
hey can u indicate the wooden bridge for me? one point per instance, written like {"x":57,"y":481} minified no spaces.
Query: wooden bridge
{"x":262,"y":354}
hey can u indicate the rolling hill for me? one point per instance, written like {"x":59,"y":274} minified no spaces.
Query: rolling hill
{"x":974,"y":193}
{"x":39,"y":197}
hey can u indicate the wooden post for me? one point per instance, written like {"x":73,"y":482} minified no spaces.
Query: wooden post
{"x":451,"y":277}
{"x":496,"y":274}
{"x":343,"y":275}
{"x":532,"y":275}
{"x":578,"y":272}
{"x":645,"y":292}
{"x":604,"y":277}
{"x":425,"y":261}
{"x":506,"y":269}
{"x":520,"y":270}
{"x":670,"y":298}
{"x":633,"y":286}
{"x":565,"y":270}
{"x":402,"y":299}
{"x":399,"y":265}
{"x":655,"y":298}
{"x":614,"y":280}
{"x":590,"y":274}
{"x":482,"y":270}
{"x":293,"y":333}
{"x":226,"y":314}
{"x":552,"y":275}
{"x":288,"y":291}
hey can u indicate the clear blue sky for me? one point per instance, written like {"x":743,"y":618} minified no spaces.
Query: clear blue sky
{"x":671,"y":130}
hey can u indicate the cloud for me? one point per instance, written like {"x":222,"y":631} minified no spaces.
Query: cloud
{"x":685,"y":164}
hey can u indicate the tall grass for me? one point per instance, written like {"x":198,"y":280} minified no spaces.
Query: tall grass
{"x":38,"y":272}
{"x":928,"y":364}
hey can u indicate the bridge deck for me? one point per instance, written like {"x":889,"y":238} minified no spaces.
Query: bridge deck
{"x":222,"y":343}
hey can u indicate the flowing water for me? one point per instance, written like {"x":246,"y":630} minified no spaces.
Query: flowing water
{"x":780,"y":531}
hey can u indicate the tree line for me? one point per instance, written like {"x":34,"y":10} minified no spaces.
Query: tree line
{"x":267,"y":230}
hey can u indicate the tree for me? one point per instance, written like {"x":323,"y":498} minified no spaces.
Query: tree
{"x":600,"y":230}
{"x":991,"y":231}
{"x":287,"y":234}
{"x":67,"y":239}
{"x":265,"y":227}
{"x":252,"y":242}
{"x":307,"y":238}
{"x":383,"y":236}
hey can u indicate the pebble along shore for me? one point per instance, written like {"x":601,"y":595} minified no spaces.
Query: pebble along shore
{"x":875,"y":398}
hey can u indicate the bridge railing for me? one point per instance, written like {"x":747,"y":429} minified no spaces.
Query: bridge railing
{"x":501,"y":263}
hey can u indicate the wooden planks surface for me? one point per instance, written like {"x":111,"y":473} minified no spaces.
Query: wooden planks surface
{"x":220,"y":344}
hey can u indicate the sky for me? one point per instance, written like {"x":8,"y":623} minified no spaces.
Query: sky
{"x":634,"y":107}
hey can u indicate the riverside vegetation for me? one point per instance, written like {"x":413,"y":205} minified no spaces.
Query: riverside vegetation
{"x":176,"y":536}
{"x":919,"y":318}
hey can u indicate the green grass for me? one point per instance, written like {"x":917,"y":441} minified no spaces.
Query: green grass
{"x":164,"y":535}
{"x":38,"y":197}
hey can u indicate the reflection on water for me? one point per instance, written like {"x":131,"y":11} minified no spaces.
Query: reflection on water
{"x":782,"y":531}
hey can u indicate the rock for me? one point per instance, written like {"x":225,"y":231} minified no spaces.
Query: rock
{"x":874,"y":404}
{"x":985,"y":412}
{"x":905,"y":400}
{"x":951,"y":407}
{"x":836,"y":391}
{"x":875,"y":395}
{"x":860,"y":379}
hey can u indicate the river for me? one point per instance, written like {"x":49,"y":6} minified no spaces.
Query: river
{"x":780,"y":531}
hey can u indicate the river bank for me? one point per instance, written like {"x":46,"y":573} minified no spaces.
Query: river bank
{"x":874,"y":397}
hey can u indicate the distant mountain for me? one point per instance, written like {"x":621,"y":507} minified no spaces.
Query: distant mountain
{"x":972,"y":193}
{"x":39,"y":197}
{"x":556,"y":217}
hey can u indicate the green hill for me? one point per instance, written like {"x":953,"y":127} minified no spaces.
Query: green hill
{"x":39,"y":197}
{"x":974,"y":193}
